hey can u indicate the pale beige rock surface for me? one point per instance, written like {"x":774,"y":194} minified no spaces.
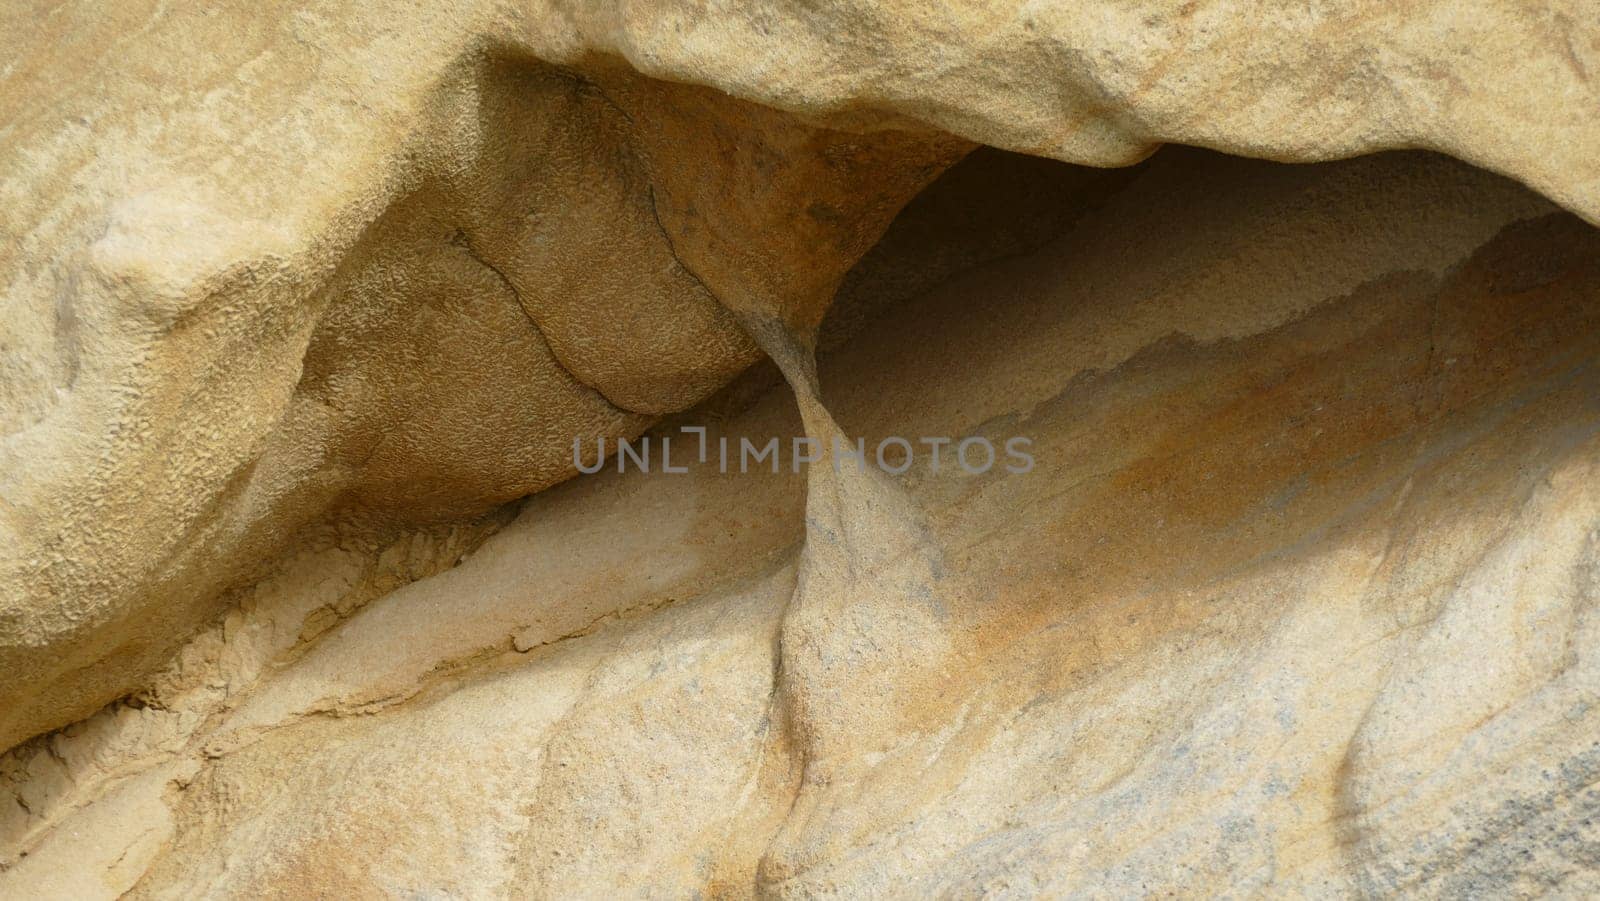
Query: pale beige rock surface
{"x":1299,"y":598}
{"x":1300,"y":595}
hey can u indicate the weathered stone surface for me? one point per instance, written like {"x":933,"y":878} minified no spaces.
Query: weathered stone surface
{"x":248,"y":243}
{"x":1300,"y":594}
{"x":226,"y":349}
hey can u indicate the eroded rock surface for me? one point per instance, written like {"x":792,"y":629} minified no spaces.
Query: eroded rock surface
{"x":1300,"y":594}
{"x":246,"y":244}
{"x":303,"y":302}
{"x":210,"y":356}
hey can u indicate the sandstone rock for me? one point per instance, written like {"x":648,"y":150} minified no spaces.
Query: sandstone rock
{"x":1299,"y":598}
{"x":205,"y":365}
{"x":1300,"y":594}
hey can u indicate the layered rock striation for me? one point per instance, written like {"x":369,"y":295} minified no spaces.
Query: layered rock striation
{"x":1299,"y":595}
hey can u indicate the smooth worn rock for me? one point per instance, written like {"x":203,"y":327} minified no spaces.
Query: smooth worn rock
{"x":299,"y":596}
{"x":247,"y":244}
{"x":1298,"y":597}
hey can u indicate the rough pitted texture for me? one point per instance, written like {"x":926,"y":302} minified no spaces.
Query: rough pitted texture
{"x":236,"y":278}
{"x":371,"y":316}
{"x":1301,"y":594}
